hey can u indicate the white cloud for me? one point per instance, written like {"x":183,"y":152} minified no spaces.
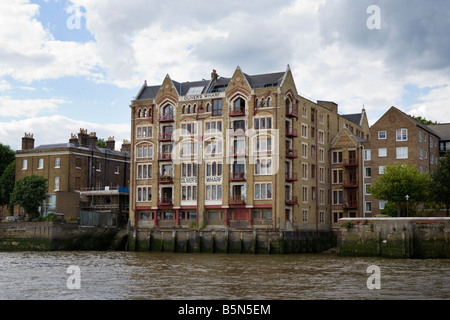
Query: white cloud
{"x":16,"y":108}
{"x":57,"y":129}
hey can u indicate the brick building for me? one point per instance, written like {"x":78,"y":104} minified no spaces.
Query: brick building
{"x":397,"y":138}
{"x":74,"y":169}
{"x":240,"y":152}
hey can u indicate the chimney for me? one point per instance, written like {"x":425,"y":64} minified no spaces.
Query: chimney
{"x":73,"y":139}
{"x":27,"y":141}
{"x":126,"y":146}
{"x":214,"y":75}
{"x":93,"y":140}
{"x":83,"y":138}
{"x":111,"y":143}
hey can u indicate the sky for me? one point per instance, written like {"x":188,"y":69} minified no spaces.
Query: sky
{"x":66,"y":65}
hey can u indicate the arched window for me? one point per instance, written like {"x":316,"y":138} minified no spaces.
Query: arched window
{"x":269,"y":102}
{"x":194,"y":109}
{"x":189,"y":109}
{"x":183,"y":111}
{"x":145,"y":113}
{"x":140,"y":113}
{"x":208,"y":107}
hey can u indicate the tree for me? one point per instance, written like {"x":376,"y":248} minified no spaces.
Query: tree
{"x":399,"y":181}
{"x":7,"y":155}
{"x":440,"y":182}
{"x":29,"y":193}
{"x":101,"y":143}
{"x":7,"y":184}
{"x":423,"y":120}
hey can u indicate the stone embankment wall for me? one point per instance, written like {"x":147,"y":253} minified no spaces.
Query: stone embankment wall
{"x":48,"y":236}
{"x":230,"y":241}
{"x":395,"y":237}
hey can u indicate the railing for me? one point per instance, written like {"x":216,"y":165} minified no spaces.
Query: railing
{"x":350,"y":183}
{"x":292,"y":111}
{"x":166,"y":117}
{"x":234,"y":112}
{"x":165,"y":137}
{"x":290,"y":200}
{"x":350,"y":204}
{"x":165,"y":156}
{"x":165,"y":201}
{"x":237,"y":199}
{"x":291,"y":154}
{"x":291,"y":133}
{"x":165,"y":178}
{"x":237,"y":176}
{"x":351,"y":162}
{"x":290,"y":176}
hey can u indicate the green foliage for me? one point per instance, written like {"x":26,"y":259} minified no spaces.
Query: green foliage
{"x":7,"y":155}
{"x":29,"y":193}
{"x":399,"y":181}
{"x":390,"y":209}
{"x":440,"y":182}
{"x":423,"y":120}
{"x":7,"y":180}
{"x":347,"y":224}
{"x":101,"y":143}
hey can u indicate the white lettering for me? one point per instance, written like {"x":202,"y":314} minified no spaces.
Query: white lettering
{"x":74,"y":281}
{"x":374,"y":21}
{"x":374,"y":281}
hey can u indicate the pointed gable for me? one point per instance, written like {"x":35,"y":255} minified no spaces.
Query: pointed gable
{"x":167,"y":92}
{"x":238,"y":85}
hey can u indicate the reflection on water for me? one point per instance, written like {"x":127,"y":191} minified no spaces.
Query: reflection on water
{"x":154,"y":276}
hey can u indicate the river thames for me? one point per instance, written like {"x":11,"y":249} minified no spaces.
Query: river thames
{"x":162,"y":276}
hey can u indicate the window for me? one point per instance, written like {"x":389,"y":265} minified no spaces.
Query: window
{"x":382,"y":204}
{"x":382,"y":135}
{"x":56,"y":185}
{"x":322,"y":174}
{"x":263,"y":123}
{"x":305,"y":215}
{"x":144,"y":194}
{"x":381,"y":169}
{"x":214,"y":192}
{"x":117,"y":169}
{"x":263,"y":167}
{"x":368,"y":206}
{"x":402,"y":153}
{"x":368,"y":172}
{"x":321,"y":216}
{"x":98,"y":166}
{"x":78,"y":163}
{"x":321,"y":136}
{"x":337,"y":216}
{"x":304,"y":131}
{"x":305,"y":194}
{"x":145,"y":151}
{"x":263,"y":191}
{"x":214,"y":169}
{"x":304,"y":150}
{"x":217,"y":108}
{"x":321,"y":155}
{"x":144,"y":171}
{"x":57,"y":162}
{"x":337,"y":197}
{"x":189,"y":149}
{"x":402,"y":134}
{"x":190,"y":128}
{"x":144,"y":132}
{"x":420,"y":136}
{"x":367,"y":155}
{"x":382,"y":152}
{"x":40,"y":164}
{"x":420,"y":153}
{"x":304,"y":171}
{"x":367,"y":189}
{"x":213,"y":126}
{"x":337,"y":176}
{"x":189,"y":193}
{"x":263,"y":143}
{"x":337,"y":157}
{"x":322,"y":196}
{"x":213,"y":147}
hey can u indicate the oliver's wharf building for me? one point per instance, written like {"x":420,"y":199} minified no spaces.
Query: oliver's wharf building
{"x":242,"y":152}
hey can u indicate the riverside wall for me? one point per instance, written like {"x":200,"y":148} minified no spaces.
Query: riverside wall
{"x":420,"y":238}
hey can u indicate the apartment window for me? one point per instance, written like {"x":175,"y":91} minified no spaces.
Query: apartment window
{"x":304,"y":112}
{"x":337,"y":197}
{"x":402,"y":153}
{"x":304,"y":131}
{"x":381,"y":170}
{"x":213,"y":192}
{"x":402,"y":134}
{"x":57,"y":162}
{"x":213,"y":147}
{"x":382,"y":135}
{"x":217,"y":108}
{"x":144,"y":132}
{"x":117,"y":169}
{"x":263,"y":123}
{"x":213,"y":169}
{"x":304,"y":171}
{"x":144,"y":194}
{"x":263,"y":143}
{"x":98,"y":166}
{"x":337,"y":157}
{"x":263,"y":191}
{"x":321,"y":216}
{"x":337,"y":216}
{"x":305,"y":216}
{"x":213,"y":126}
{"x":368,"y":172}
{"x":420,"y":153}
{"x":367,"y":189}
{"x":368,"y":206}
{"x":321,"y":136}
{"x":304,"y":150}
{"x":189,"y":149}
{"x":382,"y":204}
{"x":321,"y":118}
{"x":189,"y":193}
{"x":382,"y":152}
{"x":56,"y":185}
{"x":321,"y":155}
{"x":420,"y":136}
{"x":322,"y":174}
{"x":188,"y":129}
{"x":305,"y":194}
{"x":145,"y":171}
{"x":145,"y":151}
{"x":337,"y":176}
{"x":431,"y":142}
{"x":367,"y":155}
{"x":40,"y":163}
{"x":321,"y":196}
{"x":263,"y":167}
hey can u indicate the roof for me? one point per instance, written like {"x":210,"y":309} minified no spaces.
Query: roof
{"x":442,"y":130}
{"x":72,"y":145}
{"x":255,"y":81}
{"x":355,"y":118}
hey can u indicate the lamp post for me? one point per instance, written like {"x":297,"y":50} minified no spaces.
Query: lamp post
{"x":407,"y":206}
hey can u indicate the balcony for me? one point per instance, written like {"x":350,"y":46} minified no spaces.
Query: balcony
{"x":291,"y":133}
{"x":168,"y":117}
{"x":351,"y":162}
{"x":290,"y":176}
{"x":292,"y":154}
{"x":165,"y":156}
{"x":237,"y":112}
{"x":237,"y":200}
{"x":165,"y":201}
{"x":350,"y":183}
{"x":350,"y":204}
{"x":237,"y":176}
{"x":290,"y":200}
{"x":165,"y":137}
{"x":165,"y":178}
{"x":292,"y":112}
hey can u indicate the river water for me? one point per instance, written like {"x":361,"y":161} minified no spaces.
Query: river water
{"x":155,"y":276}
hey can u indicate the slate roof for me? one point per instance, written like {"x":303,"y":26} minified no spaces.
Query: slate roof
{"x":355,"y":118}
{"x":255,"y":81}
{"x":72,"y":145}
{"x":442,"y":130}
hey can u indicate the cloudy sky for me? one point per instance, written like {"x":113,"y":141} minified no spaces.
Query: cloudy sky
{"x":66,"y":65}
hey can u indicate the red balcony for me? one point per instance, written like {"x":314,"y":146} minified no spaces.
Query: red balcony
{"x":351,"y":162}
{"x":237,"y":112}
{"x":165,"y":156}
{"x":165,"y":178}
{"x":290,"y":176}
{"x":350,"y":183}
{"x":165,"y":137}
{"x":293,"y":154}
{"x":291,"y":133}
{"x":292,"y":112}
{"x":237,"y":200}
{"x":350,"y":204}
{"x":290,"y":200}
{"x":237,"y":176}
{"x":165,"y":201}
{"x":168,"y":117}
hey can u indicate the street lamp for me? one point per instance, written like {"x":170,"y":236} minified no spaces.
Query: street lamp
{"x":407,"y":207}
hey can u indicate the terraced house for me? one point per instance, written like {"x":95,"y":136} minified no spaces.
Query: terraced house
{"x":241,"y":152}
